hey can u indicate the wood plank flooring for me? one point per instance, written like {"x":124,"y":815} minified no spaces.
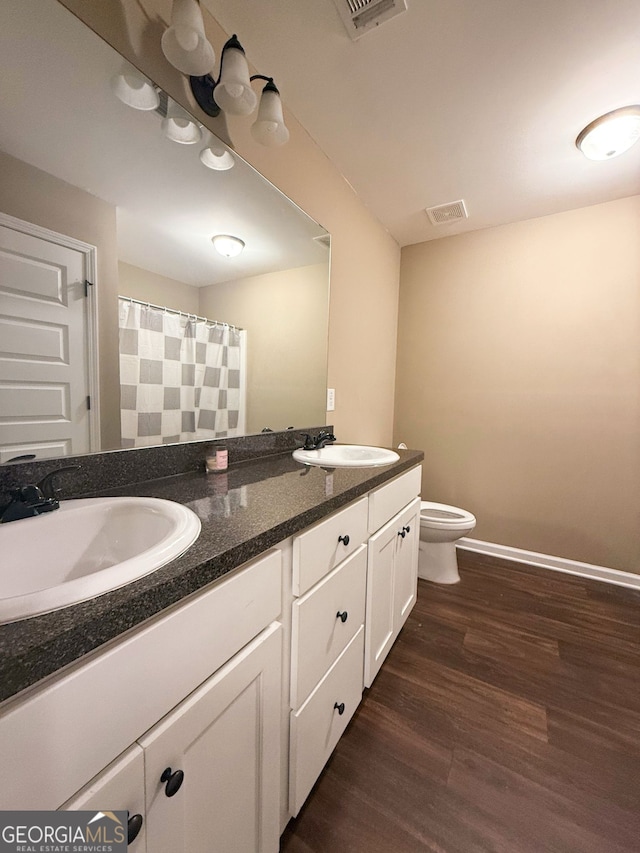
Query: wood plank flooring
{"x":506,"y":719}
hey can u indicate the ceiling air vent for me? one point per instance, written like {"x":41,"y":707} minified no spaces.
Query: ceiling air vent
{"x":445,"y":213}
{"x":360,"y":16}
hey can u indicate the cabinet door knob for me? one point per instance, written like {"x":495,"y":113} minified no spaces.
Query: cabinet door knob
{"x":402,"y":532}
{"x":134,"y":826}
{"x":339,"y":708}
{"x":342,"y":616}
{"x":344,"y":539}
{"x":174,"y":781}
{"x":407,"y":528}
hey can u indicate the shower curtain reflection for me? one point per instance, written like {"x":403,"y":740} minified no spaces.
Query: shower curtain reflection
{"x":181,"y":377}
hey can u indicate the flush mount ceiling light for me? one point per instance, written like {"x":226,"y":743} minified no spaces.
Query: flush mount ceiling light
{"x":227,"y":245}
{"x":135,"y":90}
{"x":611,"y":134}
{"x":183,"y":44}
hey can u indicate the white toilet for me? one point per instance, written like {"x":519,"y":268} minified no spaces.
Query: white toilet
{"x":440,"y":526}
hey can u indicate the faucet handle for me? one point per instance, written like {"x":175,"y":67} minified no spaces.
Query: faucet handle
{"x":47,"y":484}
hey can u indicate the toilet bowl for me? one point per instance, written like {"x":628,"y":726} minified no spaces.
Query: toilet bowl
{"x":441,"y":526}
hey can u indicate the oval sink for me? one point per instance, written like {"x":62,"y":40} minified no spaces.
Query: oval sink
{"x":347,"y":456}
{"x":88,"y":547}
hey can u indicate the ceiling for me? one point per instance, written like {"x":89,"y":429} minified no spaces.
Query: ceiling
{"x":480,"y":101}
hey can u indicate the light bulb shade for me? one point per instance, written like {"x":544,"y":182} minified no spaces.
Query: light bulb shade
{"x":179,"y":126}
{"x":233,"y":93}
{"x":133,"y":89}
{"x":215,"y":156}
{"x":269,"y":127}
{"x":185,"y":44}
{"x":227,"y":245}
{"x":611,"y":134}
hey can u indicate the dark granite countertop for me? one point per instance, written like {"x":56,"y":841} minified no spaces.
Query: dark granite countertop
{"x":244,"y":512}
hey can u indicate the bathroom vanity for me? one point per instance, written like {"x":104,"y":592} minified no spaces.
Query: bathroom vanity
{"x":210,"y":718}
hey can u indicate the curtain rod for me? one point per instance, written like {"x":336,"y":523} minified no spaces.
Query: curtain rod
{"x":181,"y":313}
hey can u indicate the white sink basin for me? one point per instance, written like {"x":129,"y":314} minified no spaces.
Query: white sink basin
{"x":85,"y":548}
{"x":347,"y":456}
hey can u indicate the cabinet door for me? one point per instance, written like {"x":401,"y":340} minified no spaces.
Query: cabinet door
{"x":119,"y":787}
{"x":225,"y":739}
{"x":406,"y":565}
{"x":379,"y":623}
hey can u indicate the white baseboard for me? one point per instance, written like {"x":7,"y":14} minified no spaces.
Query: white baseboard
{"x":556,"y":564}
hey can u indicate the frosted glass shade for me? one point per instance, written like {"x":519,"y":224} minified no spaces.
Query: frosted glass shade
{"x":611,"y":134}
{"x":233,"y":93}
{"x":133,"y":89}
{"x":179,"y":126}
{"x":227,"y":245}
{"x":269,"y":127}
{"x":185,"y":44}
{"x":215,"y":156}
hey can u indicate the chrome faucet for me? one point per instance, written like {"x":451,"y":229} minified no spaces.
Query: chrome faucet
{"x":31,"y":500}
{"x":319,"y":441}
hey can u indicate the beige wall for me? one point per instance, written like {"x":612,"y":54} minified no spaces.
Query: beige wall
{"x":285,"y":316}
{"x":364,"y":258}
{"x":148,"y":286}
{"x":35,"y":196}
{"x":519,"y":376}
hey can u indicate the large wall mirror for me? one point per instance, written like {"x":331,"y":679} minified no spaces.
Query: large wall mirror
{"x":120,"y":323}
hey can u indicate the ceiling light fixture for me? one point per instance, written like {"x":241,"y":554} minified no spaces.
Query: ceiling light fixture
{"x":183,"y":44}
{"x":611,"y":134}
{"x":227,"y":245}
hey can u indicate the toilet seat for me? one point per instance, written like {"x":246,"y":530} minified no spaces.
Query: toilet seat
{"x":444,"y":517}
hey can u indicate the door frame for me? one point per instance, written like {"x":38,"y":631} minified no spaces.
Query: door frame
{"x":91,"y":313}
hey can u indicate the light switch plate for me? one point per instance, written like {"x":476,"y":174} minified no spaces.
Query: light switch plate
{"x":331,"y":399}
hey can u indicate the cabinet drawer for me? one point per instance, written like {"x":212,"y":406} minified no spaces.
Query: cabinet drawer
{"x":389,"y":499}
{"x":317,"y":727}
{"x":319,"y":550}
{"x":319,"y":633}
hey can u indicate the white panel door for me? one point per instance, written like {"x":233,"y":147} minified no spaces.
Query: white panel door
{"x":44,"y":376}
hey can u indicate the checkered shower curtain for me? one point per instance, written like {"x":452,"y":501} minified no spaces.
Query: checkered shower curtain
{"x":180,"y":378}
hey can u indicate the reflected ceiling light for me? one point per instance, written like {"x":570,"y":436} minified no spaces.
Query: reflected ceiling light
{"x":135,"y":90}
{"x":216,"y":156}
{"x":179,"y":126}
{"x":227,"y":245}
{"x":232,"y":91}
{"x":611,"y":134}
{"x":185,"y":44}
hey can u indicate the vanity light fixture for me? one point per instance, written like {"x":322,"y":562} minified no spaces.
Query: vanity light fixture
{"x":216,"y":156}
{"x":179,"y":126}
{"x":135,"y":90}
{"x":183,"y":44}
{"x":611,"y":134}
{"x":227,"y":245}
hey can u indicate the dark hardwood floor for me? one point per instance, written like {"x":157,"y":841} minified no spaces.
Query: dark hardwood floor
{"x":506,"y":718}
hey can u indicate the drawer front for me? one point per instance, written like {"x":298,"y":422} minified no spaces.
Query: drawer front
{"x":389,"y":499}
{"x":136,"y":682}
{"x":320,"y":549}
{"x":317,"y":727}
{"x":324,"y":621}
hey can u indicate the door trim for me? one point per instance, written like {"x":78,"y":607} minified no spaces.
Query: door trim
{"x":91,"y":314}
